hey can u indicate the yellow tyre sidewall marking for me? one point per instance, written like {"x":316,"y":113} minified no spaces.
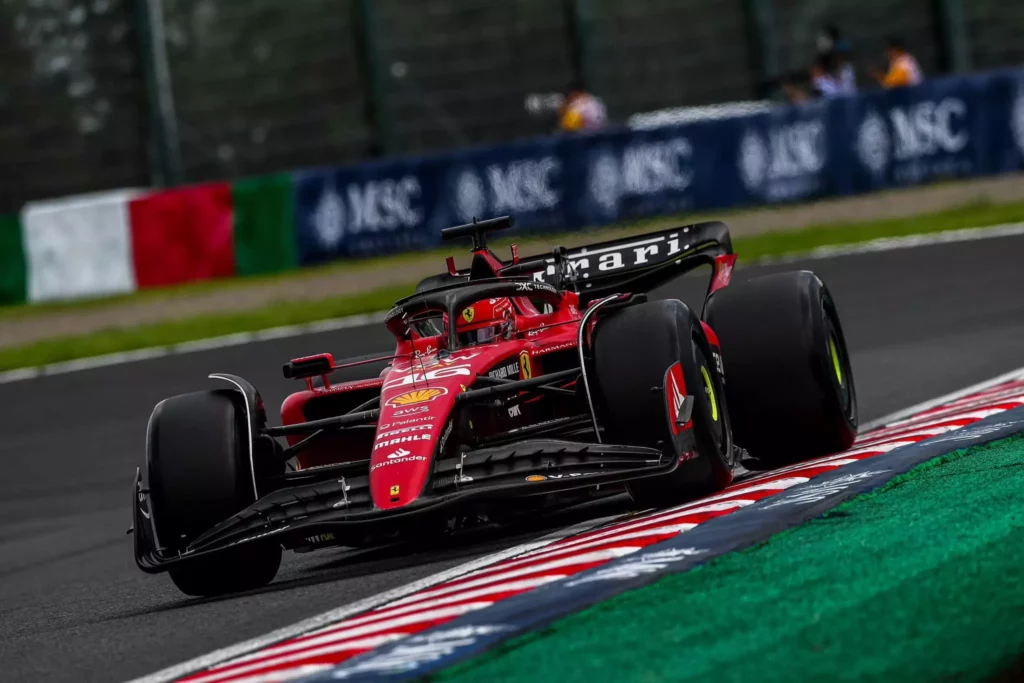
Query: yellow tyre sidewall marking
{"x":834,"y":353}
{"x":711,"y":393}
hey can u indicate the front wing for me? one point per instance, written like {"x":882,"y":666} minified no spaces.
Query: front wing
{"x":341,"y":506}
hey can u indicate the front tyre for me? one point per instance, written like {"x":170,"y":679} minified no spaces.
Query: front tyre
{"x":789,"y":382}
{"x":633,"y":348}
{"x":199,"y":474}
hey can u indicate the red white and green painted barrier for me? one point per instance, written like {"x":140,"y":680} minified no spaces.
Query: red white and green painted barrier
{"x":127,"y":240}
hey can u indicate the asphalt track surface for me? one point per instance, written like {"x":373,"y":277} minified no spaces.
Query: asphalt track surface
{"x":73,"y":607}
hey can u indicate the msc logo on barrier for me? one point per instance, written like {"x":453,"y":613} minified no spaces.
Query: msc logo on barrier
{"x":786,"y":164}
{"x":913,"y":133}
{"x":520,"y":186}
{"x":368,"y":207}
{"x":645,"y":168}
{"x":1017,"y":118}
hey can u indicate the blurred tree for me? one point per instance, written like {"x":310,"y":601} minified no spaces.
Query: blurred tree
{"x":71,"y":99}
{"x":265,"y":85}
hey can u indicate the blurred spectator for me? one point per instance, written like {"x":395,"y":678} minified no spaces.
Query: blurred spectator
{"x":823,"y":78}
{"x":582,"y":111}
{"x":794,"y":87}
{"x":834,"y":61}
{"x":903,"y":68}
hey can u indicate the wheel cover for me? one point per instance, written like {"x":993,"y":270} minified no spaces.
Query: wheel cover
{"x":709,"y":389}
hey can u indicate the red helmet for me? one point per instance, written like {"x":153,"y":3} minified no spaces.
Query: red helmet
{"x":484,"y":321}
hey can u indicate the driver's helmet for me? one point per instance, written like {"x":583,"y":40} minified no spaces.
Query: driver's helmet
{"x":485,"y":321}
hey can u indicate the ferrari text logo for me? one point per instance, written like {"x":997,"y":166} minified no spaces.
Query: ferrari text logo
{"x":416,"y":396}
{"x":469,"y":314}
{"x":525,"y":369}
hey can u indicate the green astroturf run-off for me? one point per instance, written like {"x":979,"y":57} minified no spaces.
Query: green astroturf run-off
{"x":922,"y":580}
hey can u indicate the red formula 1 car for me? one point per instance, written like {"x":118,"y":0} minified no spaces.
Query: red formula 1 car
{"x":513,"y":386}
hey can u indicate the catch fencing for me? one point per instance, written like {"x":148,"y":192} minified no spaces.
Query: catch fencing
{"x":98,"y":94}
{"x":944,"y":129}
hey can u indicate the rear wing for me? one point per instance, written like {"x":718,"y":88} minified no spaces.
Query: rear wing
{"x":632,"y":264}
{"x":639,"y":263}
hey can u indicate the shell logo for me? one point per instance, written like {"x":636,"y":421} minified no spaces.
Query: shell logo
{"x":416,"y":396}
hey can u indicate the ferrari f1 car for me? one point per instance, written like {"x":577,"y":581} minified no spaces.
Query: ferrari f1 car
{"x":513,"y":385}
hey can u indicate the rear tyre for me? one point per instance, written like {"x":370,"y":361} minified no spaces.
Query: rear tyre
{"x":199,"y":475}
{"x":789,"y":383}
{"x":633,"y":348}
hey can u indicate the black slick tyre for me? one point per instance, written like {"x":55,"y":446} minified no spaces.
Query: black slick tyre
{"x":633,"y":348}
{"x":199,"y":474}
{"x":789,"y":383}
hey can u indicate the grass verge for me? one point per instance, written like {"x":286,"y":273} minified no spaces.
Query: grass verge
{"x":291,"y":312}
{"x":918,"y":581}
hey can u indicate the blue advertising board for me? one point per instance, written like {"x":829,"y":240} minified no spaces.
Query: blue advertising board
{"x":946,"y":128}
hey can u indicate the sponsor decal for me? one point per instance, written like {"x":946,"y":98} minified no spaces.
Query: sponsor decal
{"x":556,"y":347}
{"x":918,"y":140}
{"x":873,"y":143}
{"x":400,"y":453}
{"x":517,"y":186}
{"x":534,"y":286}
{"x":417,"y":651}
{"x":404,"y":430}
{"x":647,"y":563}
{"x":396,"y":312}
{"x":967,"y":435}
{"x":416,"y":396}
{"x":319,"y":538}
{"x":719,"y":365}
{"x":505,"y":371}
{"x":425,"y":362}
{"x":786,"y":163}
{"x":373,"y":206}
{"x":402,"y":439}
{"x":407,"y":421}
{"x":642,"y":170}
{"x":412,"y":411}
{"x":815,"y":492}
{"x":469,"y":314}
{"x":445,"y":435}
{"x":1017,"y":118}
{"x":439,"y":373}
{"x":398,"y":461}
{"x":525,"y":369}
{"x":394,"y":492}
{"x":643,"y":253}
{"x":545,"y":477}
{"x":514,"y":411}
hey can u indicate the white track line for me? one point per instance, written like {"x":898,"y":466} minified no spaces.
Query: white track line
{"x":240,"y":338}
{"x":335,"y":615}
